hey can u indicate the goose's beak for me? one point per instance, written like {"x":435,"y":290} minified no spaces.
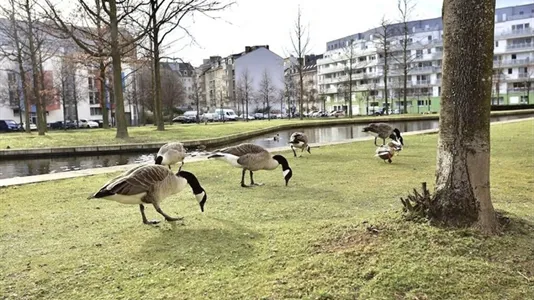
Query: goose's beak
{"x":202,"y":197}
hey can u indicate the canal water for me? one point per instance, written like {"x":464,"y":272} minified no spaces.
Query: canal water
{"x":28,"y":167}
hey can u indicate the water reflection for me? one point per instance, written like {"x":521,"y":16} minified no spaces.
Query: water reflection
{"x":14,"y":168}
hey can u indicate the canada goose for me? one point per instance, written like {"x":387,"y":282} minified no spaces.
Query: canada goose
{"x":146,"y":184}
{"x":253,"y":158}
{"x":276,"y":138}
{"x":383,"y":131}
{"x":299,"y":140}
{"x":170,"y":154}
{"x":386,"y":152}
{"x":397,"y":146}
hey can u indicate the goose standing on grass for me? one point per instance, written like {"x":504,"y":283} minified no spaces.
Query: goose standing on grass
{"x":253,"y":158}
{"x":150,"y":184}
{"x":383,"y":131}
{"x":170,"y":154}
{"x":386,"y":152}
{"x":299,"y":140}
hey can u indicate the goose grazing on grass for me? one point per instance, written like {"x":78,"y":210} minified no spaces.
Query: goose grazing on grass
{"x":150,"y":184}
{"x":299,"y":140}
{"x":386,"y":152}
{"x":170,"y":154}
{"x":253,"y":158}
{"x":383,"y":131}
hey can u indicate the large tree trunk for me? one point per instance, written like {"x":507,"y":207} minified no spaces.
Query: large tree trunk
{"x":462,"y":195}
{"x":120,"y":117}
{"x":35,"y":70}
{"x":102,"y":94}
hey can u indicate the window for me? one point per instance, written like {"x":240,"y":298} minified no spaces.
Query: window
{"x":496,"y":43}
{"x":419,"y":53}
{"x":94,"y":97}
{"x":12,"y":98}
{"x":509,"y":71}
{"x":429,"y":37}
{"x":523,"y":100}
{"x":497,"y":101}
{"x":439,"y":49}
{"x":91,"y":83}
{"x":95,"y":111}
{"x":429,"y":51}
{"x":514,"y":56}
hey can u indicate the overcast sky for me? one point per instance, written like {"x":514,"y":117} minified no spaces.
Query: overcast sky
{"x":259,"y":22}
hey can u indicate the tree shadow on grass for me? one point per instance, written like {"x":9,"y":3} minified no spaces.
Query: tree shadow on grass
{"x":213,"y":243}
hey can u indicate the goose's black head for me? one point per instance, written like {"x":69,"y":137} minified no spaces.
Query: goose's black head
{"x":159,"y":160}
{"x":199,"y":192}
{"x":398,"y":136}
{"x":288,"y":173}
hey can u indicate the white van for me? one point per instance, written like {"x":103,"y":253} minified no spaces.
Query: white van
{"x":227,"y":114}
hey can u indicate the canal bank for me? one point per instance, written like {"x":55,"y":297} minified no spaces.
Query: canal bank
{"x":7,"y":154}
{"x":90,"y":172}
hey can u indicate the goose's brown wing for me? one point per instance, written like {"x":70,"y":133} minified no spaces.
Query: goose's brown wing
{"x":299,"y":137}
{"x":176,"y":146}
{"x":243,"y":149}
{"x":140,"y":180}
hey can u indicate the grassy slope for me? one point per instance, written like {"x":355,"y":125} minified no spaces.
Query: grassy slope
{"x":307,"y":240}
{"x":148,"y":133}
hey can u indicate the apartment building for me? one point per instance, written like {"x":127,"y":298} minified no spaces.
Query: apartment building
{"x":513,"y":64}
{"x":311,"y":99}
{"x":71,"y":92}
{"x":221,"y":77}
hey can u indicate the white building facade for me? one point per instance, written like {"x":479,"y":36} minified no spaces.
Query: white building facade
{"x":513,"y":65}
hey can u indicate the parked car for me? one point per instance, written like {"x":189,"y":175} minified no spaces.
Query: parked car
{"x":337,"y":113}
{"x":33,"y":127}
{"x":84,"y":123}
{"x":101,"y":123}
{"x":189,"y":116}
{"x":226,"y":114}
{"x":210,"y":117}
{"x":259,"y":116}
{"x":63,"y":125}
{"x":8,"y":126}
{"x":242,"y":117}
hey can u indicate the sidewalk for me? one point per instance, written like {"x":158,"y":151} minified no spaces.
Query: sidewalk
{"x":89,"y":172}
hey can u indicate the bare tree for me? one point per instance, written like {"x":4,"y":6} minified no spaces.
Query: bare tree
{"x":289,"y":90}
{"x":116,"y":44}
{"x":462,"y":194}
{"x":12,"y":34}
{"x":165,"y":17}
{"x":529,"y":79}
{"x":196,"y":94}
{"x":498,"y":77}
{"x":384,"y":33}
{"x":66,"y":84}
{"x":246,"y":89}
{"x":266,"y":91}
{"x":350,"y":55}
{"x":300,"y":40}
{"x":405,"y":7}
{"x":172,"y":93}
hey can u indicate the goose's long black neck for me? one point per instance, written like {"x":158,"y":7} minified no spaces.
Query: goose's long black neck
{"x":192,"y":180}
{"x":282,"y":161}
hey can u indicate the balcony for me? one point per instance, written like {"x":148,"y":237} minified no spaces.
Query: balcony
{"x":421,"y":83}
{"x":526,"y":32}
{"x":510,"y":62}
{"x":521,"y":46}
{"x":422,"y":70}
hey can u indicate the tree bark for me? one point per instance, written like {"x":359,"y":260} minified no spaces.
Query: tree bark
{"x":462,"y":195}
{"x":35,"y":70}
{"x":120,"y":117}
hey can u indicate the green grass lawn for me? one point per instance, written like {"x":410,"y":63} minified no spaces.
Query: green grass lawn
{"x":175,"y":132}
{"x":305,"y":241}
